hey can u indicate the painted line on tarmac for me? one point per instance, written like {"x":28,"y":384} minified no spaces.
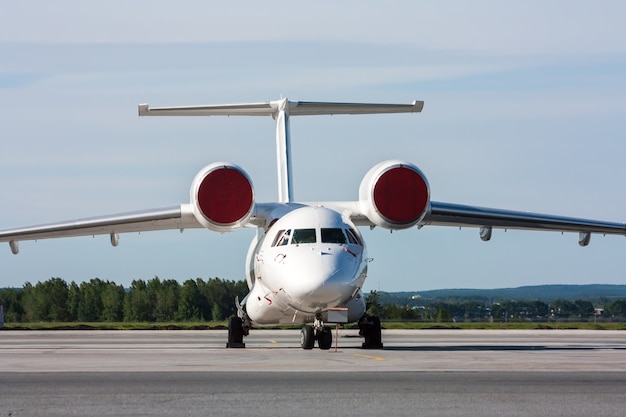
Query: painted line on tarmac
{"x":376,"y":358}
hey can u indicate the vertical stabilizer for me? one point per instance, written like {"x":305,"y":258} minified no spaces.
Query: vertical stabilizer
{"x":283,"y":153}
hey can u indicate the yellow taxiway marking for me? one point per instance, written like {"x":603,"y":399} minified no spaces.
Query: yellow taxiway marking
{"x":376,"y":358}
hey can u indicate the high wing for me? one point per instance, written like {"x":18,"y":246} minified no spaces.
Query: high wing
{"x":447,"y":214}
{"x":459,"y":215}
{"x":177,"y":217}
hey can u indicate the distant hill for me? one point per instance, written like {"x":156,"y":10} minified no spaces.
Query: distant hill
{"x":546,"y":293}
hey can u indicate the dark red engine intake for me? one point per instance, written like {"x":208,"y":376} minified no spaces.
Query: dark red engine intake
{"x":222,"y":197}
{"x":394,"y":195}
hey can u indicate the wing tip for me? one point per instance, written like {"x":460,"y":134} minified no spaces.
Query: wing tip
{"x":143,"y":109}
{"x":418,"y":105}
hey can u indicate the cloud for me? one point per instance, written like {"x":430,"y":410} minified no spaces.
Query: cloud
{"x":511,"y":28}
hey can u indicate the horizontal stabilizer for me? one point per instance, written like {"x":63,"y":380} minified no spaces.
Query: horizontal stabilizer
{"x":271,"y":108}
{"x":251,"y":109}
{"x":306,"y":108}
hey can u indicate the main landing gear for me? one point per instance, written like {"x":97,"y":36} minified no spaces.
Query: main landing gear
{"x":369,"y":328}
{"x":236,"y":332}
{"x":238,"y":327}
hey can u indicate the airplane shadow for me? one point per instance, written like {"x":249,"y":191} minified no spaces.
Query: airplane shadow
{"x":457,"y":348}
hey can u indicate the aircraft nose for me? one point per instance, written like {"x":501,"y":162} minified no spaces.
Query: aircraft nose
{"x":332,"y":282}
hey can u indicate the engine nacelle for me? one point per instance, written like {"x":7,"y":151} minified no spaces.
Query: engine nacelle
{"x":394,"y":195}
{"x":222,"y":197}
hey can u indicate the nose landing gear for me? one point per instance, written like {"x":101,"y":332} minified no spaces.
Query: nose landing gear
{"x":318,"y":332}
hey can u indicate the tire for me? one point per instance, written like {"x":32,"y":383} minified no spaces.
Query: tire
{"x":325,"y":339}
{"x":235,"y":333}
{"x":307,"y":337}
{"x":371,"y":331}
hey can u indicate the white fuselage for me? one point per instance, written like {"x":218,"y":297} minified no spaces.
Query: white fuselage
{"x":310,"y":260}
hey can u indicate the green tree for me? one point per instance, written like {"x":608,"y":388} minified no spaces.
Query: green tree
{"x":617,"y":308}
{"x":137,"y":303}
{"x":584,"y":307}
{"x":12,"y":301}
{"x":445,"y":311}
{"x":46,"y":301}
{"x":112,"y":302}
{"x":565,"y":308}
{"x":443,"y":315}
{"x":372,"y":304}
{"x":539,"y":310}
{"x":190,"y":302}
{"x":55,"y":294}
{"x":73,"y":301}
{"x":220,"y":295}
{"x":90,"y":306}
{"x":164,"y":295}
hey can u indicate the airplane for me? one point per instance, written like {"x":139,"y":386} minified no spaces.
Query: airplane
{"x":308,"y":261}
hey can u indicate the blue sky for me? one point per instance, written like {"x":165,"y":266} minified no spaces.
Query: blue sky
{"x":525,"y":109}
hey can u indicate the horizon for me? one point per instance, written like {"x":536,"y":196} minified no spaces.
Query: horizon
{"x":399,"y":291}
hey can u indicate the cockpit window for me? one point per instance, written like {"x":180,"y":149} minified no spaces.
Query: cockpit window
{"x":303,"y":236}
{"x":282,"y":238}
{"x":353,"y":237}
{"x":278,"y":235}
{"x":333,"y":236}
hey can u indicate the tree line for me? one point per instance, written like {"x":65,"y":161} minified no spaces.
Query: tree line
{"x":96,"y":300}
{"x":167,"y":300}
{"x":480,"y":311}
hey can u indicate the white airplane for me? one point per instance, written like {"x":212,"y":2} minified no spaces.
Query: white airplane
{"x":308,"y":261}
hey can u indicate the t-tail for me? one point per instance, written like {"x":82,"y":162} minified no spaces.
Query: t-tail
{"x":281,"y":110}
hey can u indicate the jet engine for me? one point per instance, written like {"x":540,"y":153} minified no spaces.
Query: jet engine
{"x":222,"y":197}
{"x":394,"y":195}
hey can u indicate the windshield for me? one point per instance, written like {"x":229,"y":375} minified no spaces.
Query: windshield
{"x":303,"y":236}
{"x":334,"y":235}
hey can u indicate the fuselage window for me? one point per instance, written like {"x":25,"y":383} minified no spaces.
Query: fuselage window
{"x":282,"y":238}
{"x":353,"y":237}
{"x":333,"y":236}
{"x":303,"y":236}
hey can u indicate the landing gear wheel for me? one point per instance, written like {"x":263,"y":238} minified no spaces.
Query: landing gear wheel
{"x":369,"y":328}
{"x":307,"y":337}
{"x":325,"y":338}
{"x":235,"y":333}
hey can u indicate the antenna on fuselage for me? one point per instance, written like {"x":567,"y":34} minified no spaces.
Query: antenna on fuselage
{"x":281,"y":110}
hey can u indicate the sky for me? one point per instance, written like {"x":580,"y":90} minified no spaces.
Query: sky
{"x":525,"y":109}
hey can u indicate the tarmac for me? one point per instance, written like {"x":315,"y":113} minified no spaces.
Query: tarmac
{"x":418,"y":372}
